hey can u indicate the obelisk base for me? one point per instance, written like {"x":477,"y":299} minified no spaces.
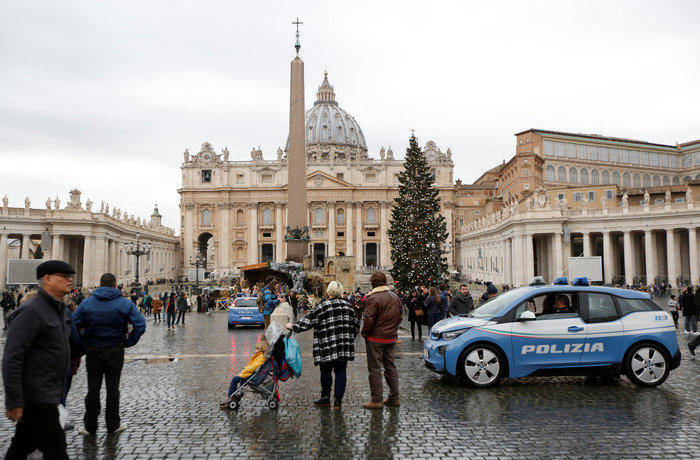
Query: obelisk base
{"x":297,"y":250}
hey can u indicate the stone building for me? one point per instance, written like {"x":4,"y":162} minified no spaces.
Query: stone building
{"x":236,"y":211}
{"x":91,"y":240}
{"x":634,"y":203}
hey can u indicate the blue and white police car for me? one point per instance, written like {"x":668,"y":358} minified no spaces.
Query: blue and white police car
{"x":244,"y":312}
{"x":557,"y":329}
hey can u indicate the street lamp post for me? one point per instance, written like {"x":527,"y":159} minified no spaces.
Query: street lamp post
{"x":198,"y":260}
{"x":138,"y":249}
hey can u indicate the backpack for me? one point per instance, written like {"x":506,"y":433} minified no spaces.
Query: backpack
{"x":259,"y":302}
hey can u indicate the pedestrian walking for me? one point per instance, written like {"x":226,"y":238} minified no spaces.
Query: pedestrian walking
{"x":688,"y":307}
{"x":335,"y":326}
{"x":673,"y":308}
{"x":8,"y":305}
{"x":103,"y":321}
{"x":445,"y":298}
{"x":433,"y":307}
{"x":34,"y":364}
{"x":157,"y":306}
{"x":269,"y":299}
{"x":416,"y":314}
{"x":170,"y":308}
{"x":382,"y":315}
{"x":462,"y":302}
{"x":181,"y":308}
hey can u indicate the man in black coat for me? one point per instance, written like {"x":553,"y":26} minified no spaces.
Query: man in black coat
{"x":687,"y":302}
{"x":462,"y":302}
{"x":37,"y":354}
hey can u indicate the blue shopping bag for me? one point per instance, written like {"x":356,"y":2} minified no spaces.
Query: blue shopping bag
{"x":292,"y":354}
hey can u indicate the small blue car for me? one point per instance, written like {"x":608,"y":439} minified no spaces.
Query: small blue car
{"x":557,"y":330}
{"x":244,"y":311}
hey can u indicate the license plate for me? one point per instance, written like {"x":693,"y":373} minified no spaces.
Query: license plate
{"x":245,"y":317}
{"x":426,"y":354}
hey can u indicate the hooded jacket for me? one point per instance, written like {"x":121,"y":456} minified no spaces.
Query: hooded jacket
{"x":102,"y":320}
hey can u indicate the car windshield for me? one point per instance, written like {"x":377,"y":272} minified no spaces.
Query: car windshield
{"x":493,"y":306}
{"x":245,"y":303}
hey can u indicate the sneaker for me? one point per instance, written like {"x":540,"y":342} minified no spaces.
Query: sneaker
{"x":82,"y":430}
{"x":121,"y":428}
{"x":691,"y":349}
{"x":337,"y":404}
{"x":323,"y":402}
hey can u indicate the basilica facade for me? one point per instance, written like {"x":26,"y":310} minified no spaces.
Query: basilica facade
{"x":235,"y":212}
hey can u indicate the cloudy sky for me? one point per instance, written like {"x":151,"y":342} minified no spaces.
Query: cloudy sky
{"x":105,"y":96}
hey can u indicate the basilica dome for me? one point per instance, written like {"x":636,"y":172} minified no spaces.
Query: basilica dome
{"x":330,"y":130}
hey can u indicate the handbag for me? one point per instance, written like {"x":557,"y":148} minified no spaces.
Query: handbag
{"x":292,"y":354}
{"x":419,"y":312}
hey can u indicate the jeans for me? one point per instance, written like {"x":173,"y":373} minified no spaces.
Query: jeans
{"x":235,"y":383}
{"x":689,"y":322}
{"x":432,"y":319}
{"x":156,"y":317}
{"x":102,"y":363}
{"x":170,"y":319}
{"x":180,"y":314}
{"x":339,"y":368}
{"x":674,"y":314}
{"x":382,"y":355}
{"x":38,"y":429}
{"x":420,"y":329}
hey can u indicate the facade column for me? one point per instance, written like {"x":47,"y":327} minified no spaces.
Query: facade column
{"x":518,"y":260}
{"x":99,"y":258}
{"x":385,"y":254}
{"x":693,"y":253}
{"x":448,"y":222}
{"x":223,"y":257}
{"x":56,"y":248}
{"x":279,"y":232}
{"x":359,"y":256}
{"x":331,"y":228}
{"x":607,"y":257}
{"x":529,"y":258}
{"x":671,"y":257}
{"x":629,"y":260}
{"x":586,"y":244}
{"x":558,"y":255}
{"x":253,"y":244}
{"x":508,"y":261}
{"x":188,"y":243}
{"x":87,"y":261}
{"x":25,"y":247}
{"x":349,"y":249}
{"x":3,"y":260}
{"x":650,"y":256}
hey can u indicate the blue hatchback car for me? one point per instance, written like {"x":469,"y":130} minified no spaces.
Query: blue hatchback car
{"x":557,"y":330}
{"x":244,"y":311}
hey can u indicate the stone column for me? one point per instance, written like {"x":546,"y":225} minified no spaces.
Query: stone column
{"x":188,"y":211}
{"x":508,"y":261}
{"x":693,"y":254}
{"x":349,"y":249}
{"x":25,"y":247}
{"x":331,"y":228}
{"x":279,"y":232}
{"x":253,"y":248}
{"x":607,"y":257}
{"x":448,"y":222}
{"x":224,"y":259}
{"x":629,"y":260}
{"x":359,"y":256}
{"x":385,"y":256}
{"x":586,"y":244}
{"x":87,"y":261}
{"x":671,"y":257}
{"x":529,"y":258}
{"x":56,"y":252}
{"x":650,"y":256}
{"x":558,"y":255}
{"x":3,"y":260}
{"x":518,"y":274}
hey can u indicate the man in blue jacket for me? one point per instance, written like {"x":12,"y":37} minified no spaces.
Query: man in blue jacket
{"x":102,"y":322}
{"x":269,"y":299}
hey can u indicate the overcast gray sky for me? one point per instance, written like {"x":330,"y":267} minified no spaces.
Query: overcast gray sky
{"x":105,"y":96}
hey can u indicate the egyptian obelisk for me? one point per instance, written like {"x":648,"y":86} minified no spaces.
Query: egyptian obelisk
{"x":296,"y":156}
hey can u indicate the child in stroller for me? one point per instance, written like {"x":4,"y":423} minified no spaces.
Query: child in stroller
{"x":261,"y":374}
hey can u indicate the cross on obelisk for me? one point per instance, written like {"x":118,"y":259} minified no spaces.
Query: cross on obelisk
{"x":297,"y":235}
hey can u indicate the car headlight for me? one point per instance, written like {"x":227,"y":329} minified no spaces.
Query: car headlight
{"x":449,"y":335}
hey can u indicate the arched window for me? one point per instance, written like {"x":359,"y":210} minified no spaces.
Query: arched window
{"x":686,"y":179}
{"x":606,"y":177}
{"x":206,"y":217}
{"x":647,"y":180}
{"x":561,"y":174}
{"x":657,"y":180}
{"x":573,"y":175}
{"x":319,"y":215}
{"x":666,"y":180}
{"x":584,"y":176}
{"x":626,"y":180}
{"x":340,"y":218}
{"x":550,"y":172}
{"x":677,"y":180}
{"x":637,"y":180}
{"x":371,"y":216}
{"x":240,"y":218}
{"x":267,"y":216}
{"x":616,"y":178}
{"x":595,"y":178}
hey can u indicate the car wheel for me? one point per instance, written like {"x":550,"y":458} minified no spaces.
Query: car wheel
{"x":481,"y":365}
{"x":647,"y":365}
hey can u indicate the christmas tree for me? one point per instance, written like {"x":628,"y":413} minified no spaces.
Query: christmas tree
{"x":417,"y":229}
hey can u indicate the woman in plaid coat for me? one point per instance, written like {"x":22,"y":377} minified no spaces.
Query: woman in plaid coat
{"x":335,"y":326}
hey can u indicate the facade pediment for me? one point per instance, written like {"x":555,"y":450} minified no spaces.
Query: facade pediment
{"x":319,"y":179}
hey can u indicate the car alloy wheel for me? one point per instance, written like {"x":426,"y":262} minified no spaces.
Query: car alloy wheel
{"x":647,"y":365}
{"x":482,"y":366}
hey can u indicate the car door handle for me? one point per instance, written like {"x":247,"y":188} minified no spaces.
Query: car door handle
{"x":575,"y":329}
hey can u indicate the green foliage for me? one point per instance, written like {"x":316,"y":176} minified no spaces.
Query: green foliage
{"x":418,"y":230}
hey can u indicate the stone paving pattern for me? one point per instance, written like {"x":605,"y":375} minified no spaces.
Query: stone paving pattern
{"x":172,"y":409}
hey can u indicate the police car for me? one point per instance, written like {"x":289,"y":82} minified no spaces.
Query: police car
{"x":557,"y":329}
{"x":244,"y":312}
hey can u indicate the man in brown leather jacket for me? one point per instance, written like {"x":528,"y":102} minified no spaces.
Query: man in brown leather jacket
{"x":382,"y":316}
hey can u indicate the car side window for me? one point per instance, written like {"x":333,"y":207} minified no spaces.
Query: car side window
{"x":601,"y":308}
{"x":555,"y":305}
{"x":633,"y":305}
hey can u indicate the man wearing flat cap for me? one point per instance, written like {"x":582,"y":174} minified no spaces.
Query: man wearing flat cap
{"x":37,"y":352}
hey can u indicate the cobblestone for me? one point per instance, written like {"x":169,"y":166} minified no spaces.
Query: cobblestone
{"x":172,"y":411}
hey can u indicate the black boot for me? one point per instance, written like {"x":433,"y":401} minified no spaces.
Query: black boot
{"x":337,"y":404}
{"x":325,"y":401}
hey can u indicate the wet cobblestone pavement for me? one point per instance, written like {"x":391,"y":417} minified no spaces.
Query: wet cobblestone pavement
{"x":171,"y":407}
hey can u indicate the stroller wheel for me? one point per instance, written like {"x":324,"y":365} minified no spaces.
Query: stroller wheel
{"x":273,"y":404}
{"x":233,"y":404}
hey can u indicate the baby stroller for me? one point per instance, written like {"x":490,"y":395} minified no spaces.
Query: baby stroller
{"x":265,"y":380}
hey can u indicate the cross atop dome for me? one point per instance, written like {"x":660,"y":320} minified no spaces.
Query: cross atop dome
{"x":325,"y":92}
